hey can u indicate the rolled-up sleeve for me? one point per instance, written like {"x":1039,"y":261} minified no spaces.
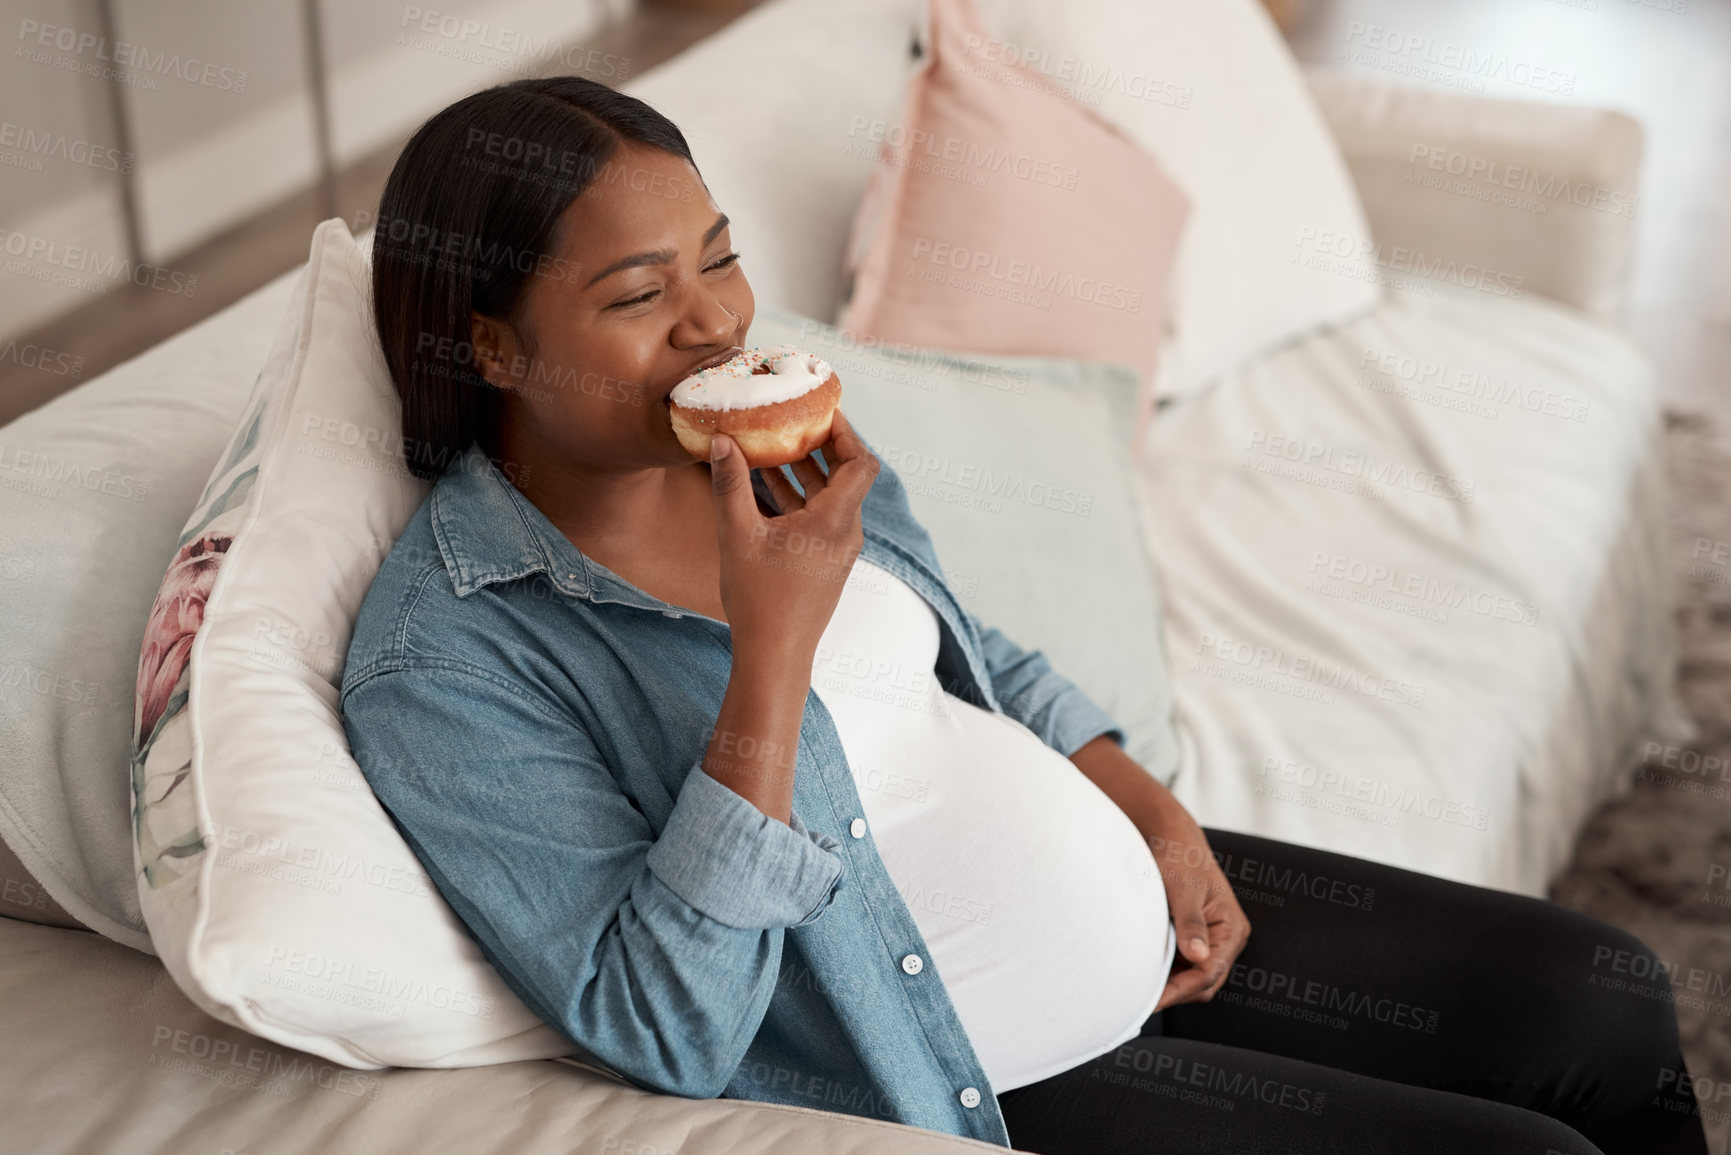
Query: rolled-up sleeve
{"x":656,"y":955}
{"x":739,"y":866}
{"x":1043,"y":700}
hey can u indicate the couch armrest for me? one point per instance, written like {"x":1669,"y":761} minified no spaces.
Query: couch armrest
{"x":1539,"y":191}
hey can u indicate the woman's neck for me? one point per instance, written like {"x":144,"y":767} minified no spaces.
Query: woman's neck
{"x":608,"y":514}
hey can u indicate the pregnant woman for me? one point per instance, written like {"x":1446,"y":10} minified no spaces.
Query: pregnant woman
{"x":732,"y":791}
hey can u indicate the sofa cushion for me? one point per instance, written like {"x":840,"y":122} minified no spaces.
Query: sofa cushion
{"x":1417,"y":585}
{"x":101,"y":1043}
{"x":24,"y":898}
{"x":1007,"y":218}
{"x":97,"y":485}
{"x":1213,"y":92}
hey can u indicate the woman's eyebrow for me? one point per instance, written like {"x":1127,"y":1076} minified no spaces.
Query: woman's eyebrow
{"x":658,"y":256}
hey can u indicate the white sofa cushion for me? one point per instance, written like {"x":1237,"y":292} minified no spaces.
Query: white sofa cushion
{"x":1212,"y":92}
{"x":1542,"y":194}
{"x":97,"y":484}
{"x":103,"y":1054}
{"x":1370,"y":662}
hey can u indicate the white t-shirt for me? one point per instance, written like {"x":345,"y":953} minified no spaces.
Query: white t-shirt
{"x":1038,"y":899}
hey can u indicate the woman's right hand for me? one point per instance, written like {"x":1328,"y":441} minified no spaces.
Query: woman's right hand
{"x":781,"y":577}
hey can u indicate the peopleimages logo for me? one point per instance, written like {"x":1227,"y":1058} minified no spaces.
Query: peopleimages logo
{"x":87,"y":270}
{"x":1392,"y":579}
{"x":1318,"y":671}
{"x":1319,"y":248}
{"x":1022,"y":274}
{"x":1077,"y":78}
{"x":37,"y":39}
{"x":33,"y":146}
{"x":502,"y":46}
{"x":58,"y":470}
{"x":1360,"y":788}
{"x":1543,"y":187}
{"x":1444,"y":61}
{"x":989,"y":159}
{"x":1473,"y":385}
{"x":1365,"y":467}
{"x":1005,"y":486}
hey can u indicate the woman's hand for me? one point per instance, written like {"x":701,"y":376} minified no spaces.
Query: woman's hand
{"x":1212,"y":929}
{"x":781,"y":577}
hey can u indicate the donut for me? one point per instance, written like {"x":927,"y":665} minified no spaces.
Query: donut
{"x":777,"y":403}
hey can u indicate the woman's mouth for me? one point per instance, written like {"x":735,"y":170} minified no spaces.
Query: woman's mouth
{"x":722,"y":357}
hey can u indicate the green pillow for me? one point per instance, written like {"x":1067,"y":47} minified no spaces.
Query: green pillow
{"x":1019,"y":468}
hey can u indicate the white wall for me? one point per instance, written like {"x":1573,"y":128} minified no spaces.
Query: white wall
{"x":221,"y":119}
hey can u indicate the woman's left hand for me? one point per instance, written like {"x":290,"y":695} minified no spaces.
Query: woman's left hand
{"x":1212,"y":927}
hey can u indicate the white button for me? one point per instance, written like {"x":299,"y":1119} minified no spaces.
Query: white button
{"x":857,"y":828}
{"x":671,"y":614}
{"x":970,"y":1096}
{"x":913,"y":964}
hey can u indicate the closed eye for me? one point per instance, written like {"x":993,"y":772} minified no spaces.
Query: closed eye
{"x":724,"y":262}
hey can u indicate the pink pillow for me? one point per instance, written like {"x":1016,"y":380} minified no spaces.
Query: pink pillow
{"x":1004,"y":217}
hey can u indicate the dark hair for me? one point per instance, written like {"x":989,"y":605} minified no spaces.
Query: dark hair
{"x":465,"y":220}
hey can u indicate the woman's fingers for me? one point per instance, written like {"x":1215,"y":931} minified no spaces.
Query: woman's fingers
{"x":1183,"y":985}
{"x":787,"y":498}
{"x":1228,"y":931}
{"x":811,"y":478}
{"x":852,"y":466}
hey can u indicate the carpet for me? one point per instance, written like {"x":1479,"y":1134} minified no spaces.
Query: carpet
{"x":1657,"y":861}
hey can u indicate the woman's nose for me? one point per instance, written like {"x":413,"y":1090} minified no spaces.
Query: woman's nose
{"x":708,"y":321}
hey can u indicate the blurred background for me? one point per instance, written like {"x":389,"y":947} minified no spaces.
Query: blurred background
{"x":161,"y":158}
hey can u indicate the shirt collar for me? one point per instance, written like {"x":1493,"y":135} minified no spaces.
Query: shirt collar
{"x":489,"y":532}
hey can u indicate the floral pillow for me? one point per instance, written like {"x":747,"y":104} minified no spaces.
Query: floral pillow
{"x":164,"y":823}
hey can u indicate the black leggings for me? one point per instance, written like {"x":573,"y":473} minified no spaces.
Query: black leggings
{"x":1376,"y":1010}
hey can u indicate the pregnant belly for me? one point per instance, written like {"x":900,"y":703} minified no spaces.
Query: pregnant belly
{"x":1040,"y":903}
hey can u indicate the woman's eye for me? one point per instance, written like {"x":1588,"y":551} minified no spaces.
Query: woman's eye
{"x":729,"y":259}
{"x":649,"y":296}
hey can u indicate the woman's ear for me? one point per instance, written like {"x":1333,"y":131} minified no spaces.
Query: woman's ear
{"x":497,"y":358}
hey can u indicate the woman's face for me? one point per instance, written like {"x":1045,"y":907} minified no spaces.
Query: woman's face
{"x":640,"y":290}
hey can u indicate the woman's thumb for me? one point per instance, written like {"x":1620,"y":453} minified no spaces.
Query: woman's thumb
{"x":1192,"y":929}
{"x":729,"y":474}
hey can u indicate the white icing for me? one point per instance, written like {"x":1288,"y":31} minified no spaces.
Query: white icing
{"x":733,"y":385}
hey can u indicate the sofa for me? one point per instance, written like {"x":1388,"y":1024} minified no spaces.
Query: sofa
{"x":1445,"y":663}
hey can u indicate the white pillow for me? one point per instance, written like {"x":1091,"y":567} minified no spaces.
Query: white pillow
{"x":1277,"y":239}
{"x":277,"y":890}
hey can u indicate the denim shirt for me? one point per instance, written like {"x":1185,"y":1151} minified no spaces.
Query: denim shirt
{"x":536,"y":725}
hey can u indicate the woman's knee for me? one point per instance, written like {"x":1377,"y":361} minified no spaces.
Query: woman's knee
{"x":1630,"y":994}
